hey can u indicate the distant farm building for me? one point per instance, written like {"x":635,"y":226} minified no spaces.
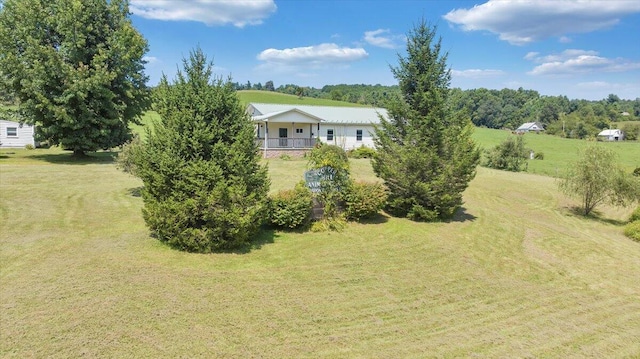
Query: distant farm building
{"x":16,"y":135}
{"x":530,"y":127}
{"x":611,"y":135}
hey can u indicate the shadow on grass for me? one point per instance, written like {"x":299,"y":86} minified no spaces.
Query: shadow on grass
{"x":135,"y":191}
{"x":378,"y":218}
{"x":462,"y":215}
{"x":106,"y":157}
{"x":594,"y":215}
{"x":265,"y":236}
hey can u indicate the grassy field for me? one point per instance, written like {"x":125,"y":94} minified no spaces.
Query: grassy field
{"x":248,"y":96}
{"x":558,"y":151}
{"x":515,"y":275}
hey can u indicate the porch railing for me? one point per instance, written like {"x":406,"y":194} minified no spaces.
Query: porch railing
{"x":287,"y":142}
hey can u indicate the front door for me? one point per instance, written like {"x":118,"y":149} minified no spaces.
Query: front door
{"x":283,"y":134}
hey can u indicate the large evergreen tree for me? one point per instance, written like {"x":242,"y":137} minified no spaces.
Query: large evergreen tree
{"x":75,"y":68}
{"x":204,"y":188}
{"x":425,"y":156}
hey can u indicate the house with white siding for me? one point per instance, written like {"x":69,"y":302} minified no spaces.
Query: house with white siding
{"x":16,"y":135}
{"x":297,"y":127}
{"x":611,"y":135}
{"x":530,"y":127}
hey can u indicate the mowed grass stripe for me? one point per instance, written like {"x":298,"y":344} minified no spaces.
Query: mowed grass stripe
{"x":517,"y":275}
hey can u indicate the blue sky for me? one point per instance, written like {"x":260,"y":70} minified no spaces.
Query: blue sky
{"x":582,"y":49}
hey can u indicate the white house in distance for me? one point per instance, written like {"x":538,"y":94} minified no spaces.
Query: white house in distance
{"x":16,"y":135}
{"x":530,"y":127}
{"x":611,"y":135}
{"x":296,"y":127}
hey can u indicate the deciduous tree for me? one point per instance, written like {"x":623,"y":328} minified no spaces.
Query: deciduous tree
{"x":76,"y":69}
{"x":426,"y":155}
{"x":596,"y":178}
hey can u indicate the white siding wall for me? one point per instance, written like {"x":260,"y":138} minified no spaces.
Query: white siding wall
{"x":345,"y":135}
{"x":291,"y":129}
{"x":24,"y":134}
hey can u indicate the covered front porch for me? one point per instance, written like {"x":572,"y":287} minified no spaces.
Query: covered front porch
{"x":284,"y":143}
{"x":293,"y":129}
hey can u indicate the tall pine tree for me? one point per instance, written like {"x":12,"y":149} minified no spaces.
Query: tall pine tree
{"x":204,"y":188}
{"x":426,"y":155}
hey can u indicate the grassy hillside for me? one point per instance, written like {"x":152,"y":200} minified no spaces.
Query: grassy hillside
{"x":248,"y":96}
{"x":515,"y":275}
{"x":558,"y":151}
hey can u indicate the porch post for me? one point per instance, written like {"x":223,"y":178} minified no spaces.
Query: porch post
{"x":266,"y":138}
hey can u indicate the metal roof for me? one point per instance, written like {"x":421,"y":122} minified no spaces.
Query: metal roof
{"x":329,"y":114}
{"x":613,"y":132}
{"x":530,"y":125}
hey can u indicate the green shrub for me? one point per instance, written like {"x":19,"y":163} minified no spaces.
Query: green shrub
{"x":126,"y":160}
{"x":635,"y":216}
{"x":631,"y":131}
{"x":334,"y":223}
{"x":29,"y":146}
{"x":510,"y":155}
{"x":363,"y":200}
{"x":291,"y":209}
{"x":632,"y":230}
{"x":285,"y":157}
{"x":636,"y":172}
{"x":333,"y":161}
{"x":538,"y":156}
{"x":362,"y":152}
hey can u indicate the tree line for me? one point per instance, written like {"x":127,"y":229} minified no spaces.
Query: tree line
{"x":506,"y":108}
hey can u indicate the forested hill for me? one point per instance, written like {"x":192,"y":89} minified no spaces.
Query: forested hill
{"x":506,"y":108}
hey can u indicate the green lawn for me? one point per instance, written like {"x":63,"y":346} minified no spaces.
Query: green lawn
{"x":515,"y":275}
{"x":559,"y":152}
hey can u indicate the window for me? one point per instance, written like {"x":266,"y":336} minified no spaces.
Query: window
{"x":358,"y":135}
{"x":12,"y":131}
{"x":329,"y":135}
{"x":299,"y":130}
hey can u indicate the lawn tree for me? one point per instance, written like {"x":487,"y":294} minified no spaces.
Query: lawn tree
{"x":426,"y":155}
{"x":596,"y":178}
{"x":76,"y":69}
{"x":204,"y":187}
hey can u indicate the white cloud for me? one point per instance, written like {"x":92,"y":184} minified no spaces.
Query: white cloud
{"x":388,"y":41}
{"x":477,"y":73}
{"x":574,"y":61}
{"x":316,"y":55}
{"x":565,"y":39}
{"x":524,"y":21}
{"x":211,"y":12}
{"x":150,"y":59}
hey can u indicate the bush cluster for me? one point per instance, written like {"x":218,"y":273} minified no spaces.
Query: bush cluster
{"x":129,"y":155}
{"x":538,"y":156}
{"x":364,"y":200}
{"x":291,"y":209}
{"x":362,"y":152}
{"x":510,"y":155}
{"x":632,"y":230}
{"x":635,"y":216}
